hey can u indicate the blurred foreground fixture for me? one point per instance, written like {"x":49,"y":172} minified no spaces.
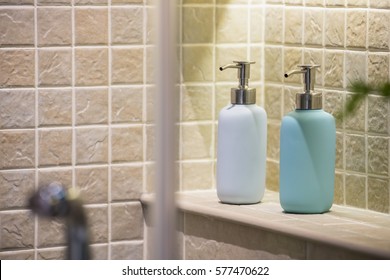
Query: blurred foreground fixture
{"x":166,"y":137}
{"x":54,"y":200}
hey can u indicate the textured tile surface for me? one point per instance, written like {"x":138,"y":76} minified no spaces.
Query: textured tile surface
{"x":379,"y":29}
{"x":355,"y":146}
{"x":91,"y":26}
{"x":16,"y":229}
{"x":17,"y":149}
{"x":126,"y":25}
{"x":127,"y":144}
{"x":203,"y":19}
{"x":91,"y":106}
{"x":377,"y":119}
{"x":378,"y":151}
{"x":378,"y":194}
{"x":54,"y":26}
{"x":334,"y":27}
{"x":51,"y":232}
{"x":196,"y":141}
{"x":355,"y":67}
{"x":197,"y":103}
{"x":229,"y":24}
{"x":124,"y":215}
{"x":222,"y":240}
{"x":93,"y":184}
{"x":313,"y":27}
{"x":274,"y":23}
{"x":44,"y":66}
{"x":293,"y":26}
{"x":91,"y":67}
{"x":127,"y":251}
{"x":355,"y":190}
{"x":15,"y":186}
{"x":55,"y":107}
{"x":56,"y":148}
{"x":273,"y":104}
{"x":127,"y":66}
{"x":334,"y":67}
{"x":17,"y":27}
{"x":356,"y":29}
{"x":91,"y":145}
{"x":196,"y":66}
{"x":357,"y":122}
{"x":197,"y":175}
{"x":98,"y":223}
{"x":17,"y":68}
{"x":55,"y":67}
{"x":127,"y":105}
{"x":126,"y":182}
{"x":17,"y":109}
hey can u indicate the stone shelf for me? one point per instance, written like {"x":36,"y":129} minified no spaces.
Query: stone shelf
{"x":341,"y":233}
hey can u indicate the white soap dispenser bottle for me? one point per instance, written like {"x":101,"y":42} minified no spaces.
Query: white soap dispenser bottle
{"x":242,"y":143}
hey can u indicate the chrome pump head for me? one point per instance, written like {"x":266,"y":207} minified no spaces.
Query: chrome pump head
{"x":309,"y":99}
{"x":243,"y":94}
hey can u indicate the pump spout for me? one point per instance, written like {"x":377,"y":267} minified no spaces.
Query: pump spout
{"x":54,"y":201}
{"x":229,"y":66}
{"x":292,"y":72}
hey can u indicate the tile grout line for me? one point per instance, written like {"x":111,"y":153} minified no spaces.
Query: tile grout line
{"x":144,"y":120}
{"x":36,"y":91}
{"x":74,"y":140}
{"x":262,"y":59}
{"x":109,"y":119}
{"x":214,"y":118}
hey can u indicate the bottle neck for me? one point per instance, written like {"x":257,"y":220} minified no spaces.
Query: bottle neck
{"x":308,"y":101}
{"x":243,"y":96}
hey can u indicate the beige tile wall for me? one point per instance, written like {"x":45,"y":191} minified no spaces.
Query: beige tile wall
{"x":350,"y":39}
{"x":77,"y":103}
{"x":73,"y":109}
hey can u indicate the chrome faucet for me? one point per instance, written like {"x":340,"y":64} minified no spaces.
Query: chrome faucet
{"x":54,"y":200}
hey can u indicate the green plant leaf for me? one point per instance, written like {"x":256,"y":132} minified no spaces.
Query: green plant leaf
{"x":360,"y":92}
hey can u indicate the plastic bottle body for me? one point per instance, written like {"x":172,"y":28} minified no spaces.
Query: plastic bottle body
{"x":241,"y":154}
{"x":307,"y":161}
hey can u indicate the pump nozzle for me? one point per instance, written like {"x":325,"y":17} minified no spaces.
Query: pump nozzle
{"x":229,"y":66}
{"x":292,"y":72}
{"x":243,"y":94}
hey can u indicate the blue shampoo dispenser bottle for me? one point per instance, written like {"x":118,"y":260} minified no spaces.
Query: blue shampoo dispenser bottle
{"x":307,"y":151}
